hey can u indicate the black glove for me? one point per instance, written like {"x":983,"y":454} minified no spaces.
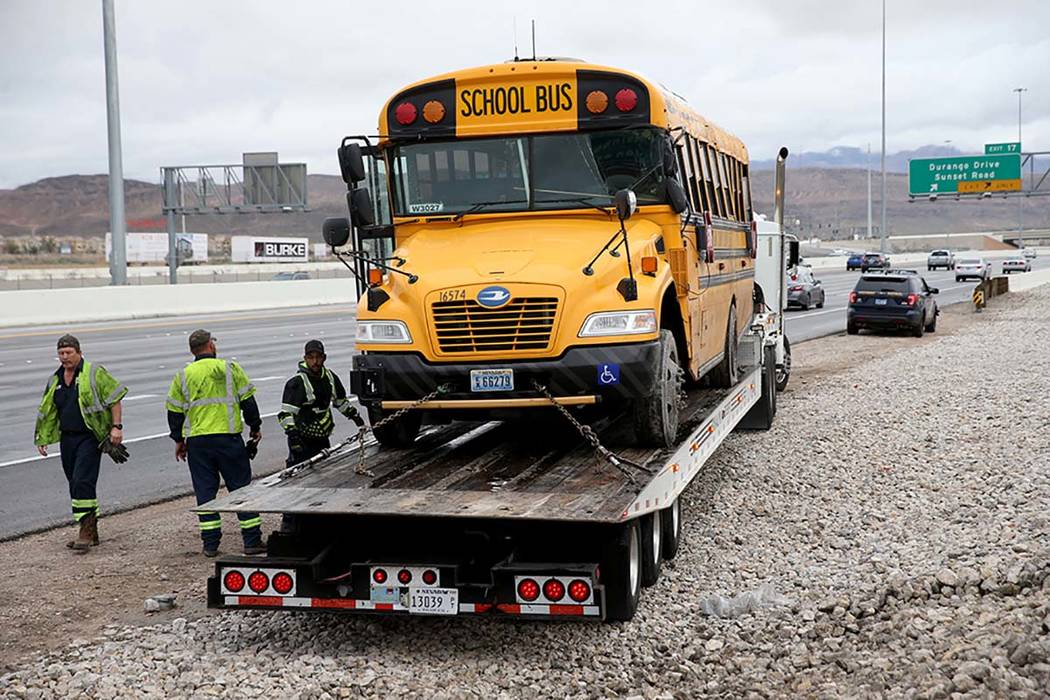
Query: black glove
{"x":295,"y":442}
{"x":356,"y":418}
{"x":252,"y":447}
{"x":118,"y":453}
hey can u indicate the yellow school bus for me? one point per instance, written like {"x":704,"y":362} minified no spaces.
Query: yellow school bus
{"x":560,"y":231}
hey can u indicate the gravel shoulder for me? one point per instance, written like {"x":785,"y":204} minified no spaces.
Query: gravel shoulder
{"x":898,"y":509}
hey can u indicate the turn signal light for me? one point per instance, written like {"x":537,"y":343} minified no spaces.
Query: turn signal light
{"x":404,"y":576}
{"x":405,"y":113}
{"x":379,"y":576}
{"x":597,"y":101}
{"x":430,"y":577}
{"x":433,"y":111}
{"x":579,"y":590}
{"x":234,"y":581}
{"x":282,"y":583}
{"x":626,"y":100}
{"x":528,"y":590}
{"x":554,"y":590}
{"x":258,"y":582}
{"x":375,"y":276}
{"x":649,"y":265}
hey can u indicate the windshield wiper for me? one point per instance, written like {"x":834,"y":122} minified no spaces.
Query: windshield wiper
{"x":579,"y":200}
{"x":478,"y":206}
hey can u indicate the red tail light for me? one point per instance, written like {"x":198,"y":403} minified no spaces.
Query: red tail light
{"x":258,"y":582}
{"x":796,"y":288}
{"x":234,"y":581}
{"x":554,"y":590}
{"x":579,"y":590}
{"x":405,"y":113}
{"x":282,"y":583}
{"x":379,"y":576}
{"x":528,"y":590}
{"x":912,"y":300}
{"x":404,"y":576}
{"x":626,"y":100}
{"x":853,"y":297}
{"x":430,"y":577}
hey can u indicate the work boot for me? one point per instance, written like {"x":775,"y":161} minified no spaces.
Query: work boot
{"x":88,"y":534}
{"x":255,"y":549}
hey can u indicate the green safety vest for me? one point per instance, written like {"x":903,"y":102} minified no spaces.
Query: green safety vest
{"x":97,"y":391}
{"x":320,"y":423}
{"x":209,"y":392}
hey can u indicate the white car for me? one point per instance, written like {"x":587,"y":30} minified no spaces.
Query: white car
{"x":971,"y":268}
{"x":1029,"y":253}
{"x":1016,"y":263}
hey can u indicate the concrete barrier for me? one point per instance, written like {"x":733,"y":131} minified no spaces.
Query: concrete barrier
{"x":49,"y":306}
{"x":1028,"y":280}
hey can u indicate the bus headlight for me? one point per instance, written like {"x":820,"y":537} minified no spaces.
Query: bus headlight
{"x":619,"y":323}
{"x":382,"y":332}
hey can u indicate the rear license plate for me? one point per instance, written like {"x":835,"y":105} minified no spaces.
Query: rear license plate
{"x":492,"y":380}
{"x":881,"y":301}
{"x":432,"y":601}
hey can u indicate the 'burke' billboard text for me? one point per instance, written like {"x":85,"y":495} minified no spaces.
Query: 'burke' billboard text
{"x":272,"y":249}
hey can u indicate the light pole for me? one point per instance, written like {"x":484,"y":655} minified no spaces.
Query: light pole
{"x":1020,"y":198}
{"x":869,"y":190}
{"x":882,"y":232}
{"x":118,"y":264}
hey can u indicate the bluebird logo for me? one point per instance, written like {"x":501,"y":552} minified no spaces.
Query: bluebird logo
{"x":493,"y":297}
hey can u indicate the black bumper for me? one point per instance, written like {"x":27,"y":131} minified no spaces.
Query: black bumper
{"x":578,"y":372}
{"x":885,"y":318}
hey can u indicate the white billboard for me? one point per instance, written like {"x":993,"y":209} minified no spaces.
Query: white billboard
{"x":153,"y":247}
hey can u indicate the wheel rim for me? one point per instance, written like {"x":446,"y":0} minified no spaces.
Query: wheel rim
{"x":657,"y":533}
{"x":784,"y":370}
{"x":634,"y":565}
{"x":674,"y":517}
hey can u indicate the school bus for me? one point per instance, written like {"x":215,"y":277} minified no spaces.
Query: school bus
{"x":553,"y":231}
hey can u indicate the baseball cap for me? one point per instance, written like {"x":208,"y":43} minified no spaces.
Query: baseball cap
{"x":69,"y":341}
{"x":314,"y":346}
{"x":199,"y":338}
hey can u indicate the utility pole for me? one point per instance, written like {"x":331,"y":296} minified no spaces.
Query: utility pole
{"x":869,"y":190}
{"x":1020,"y":198}
{"x":882,"y":232}
{"x":118,"y":259}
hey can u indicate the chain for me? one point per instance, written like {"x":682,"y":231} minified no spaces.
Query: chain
{"x":590,"y":436}
{"x":360,"y":437}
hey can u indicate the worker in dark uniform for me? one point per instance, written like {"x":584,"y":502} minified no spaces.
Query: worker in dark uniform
{"x":306,"y":408}
{"x":205,"y":403}
{"x":81,"y":411}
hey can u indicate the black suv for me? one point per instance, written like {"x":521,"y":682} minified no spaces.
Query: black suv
{"x":892,"y":301}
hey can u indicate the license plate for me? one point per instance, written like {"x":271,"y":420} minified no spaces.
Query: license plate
{"x":492,"y":380}
{"x":881,"y":301}
{"x":432,"y":601}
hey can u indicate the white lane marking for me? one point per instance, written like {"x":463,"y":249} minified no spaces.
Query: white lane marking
{"x":267,"y":379}
{"x":809,"y":314}
{"x":143,"y":438}
{"x":141,"y":396}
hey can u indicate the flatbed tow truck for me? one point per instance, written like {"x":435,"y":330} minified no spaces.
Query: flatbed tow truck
{"x":503,"y":518}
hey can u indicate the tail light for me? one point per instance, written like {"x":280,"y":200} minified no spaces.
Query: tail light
{"x":283,"y":583}
{"x":379,"y":576}
{"x":912,"y":300}
{"x":404,"y":577}
{"x":405,"y":113}
{"x":233,"y":581}
{"x":626,"y":100}
{"x":796,"y":288}
{"x":579,"y":590}
{"x":430,"y":577}
{"x":528,"y":590}
{"x":853,"y":297}
{"x":554,"y":590}
{"x":258,"y":582}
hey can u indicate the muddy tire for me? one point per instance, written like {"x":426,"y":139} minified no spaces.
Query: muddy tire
{"x":400,"y":433}
{"x":656,"y":416}
{"x":671,"y":529}
{"x":727,"y":373}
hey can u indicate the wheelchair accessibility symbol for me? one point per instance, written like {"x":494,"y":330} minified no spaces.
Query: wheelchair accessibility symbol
{"x":608,"y":375}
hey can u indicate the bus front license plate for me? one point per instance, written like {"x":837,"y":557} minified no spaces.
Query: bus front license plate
{"x":492,"y":380}
{"x":433,"y":601}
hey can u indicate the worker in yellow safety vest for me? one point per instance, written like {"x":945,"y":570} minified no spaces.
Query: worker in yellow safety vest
{"x":81,"y":411}
{"x":205,"y":403}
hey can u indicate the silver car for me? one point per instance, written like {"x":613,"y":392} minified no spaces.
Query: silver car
{"x":940,"y":258}
{"x":1017,"y":263}
{"x":972,"y":268}
{"x":1029,"y":253}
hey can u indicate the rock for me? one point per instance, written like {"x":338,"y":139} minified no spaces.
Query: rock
{"x":963,"y":683}
{"x":947,"y":577}
{"x":714,"y":644}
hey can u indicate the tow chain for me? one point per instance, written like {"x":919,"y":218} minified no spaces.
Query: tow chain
{"x":360,"y":437}
{"x":590,"y":436}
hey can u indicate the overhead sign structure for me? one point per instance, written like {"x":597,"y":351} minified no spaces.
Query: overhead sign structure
{"x":998,"y":149}
{"x":964,"y":175}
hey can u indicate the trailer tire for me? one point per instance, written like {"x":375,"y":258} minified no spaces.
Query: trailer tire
{"x":671,"y":529}
{"x":621,"y":570}
{"x":656,"y":417}
{"x":726,"y":374}
{"x":651,"y":529}
{"x":400,"y":433}
{"x":784,"y":370}
{"x":760,"y":417}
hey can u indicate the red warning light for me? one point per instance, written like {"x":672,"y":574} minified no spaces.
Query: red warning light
{"x":626,"y":100}
{"x":405,"y":113}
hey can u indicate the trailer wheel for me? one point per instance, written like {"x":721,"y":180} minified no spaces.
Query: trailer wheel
{"x":760,"y":417}
{"x":621,"y":574}
{"x":400,"y":433}
{"x":671,"y":528}
{"x":655,"y":417}
{"x":651,"y":528}
{"x":726,"y":374}
{"x":784,"y":370}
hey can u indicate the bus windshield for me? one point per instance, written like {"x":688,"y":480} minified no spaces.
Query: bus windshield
{"x":528,"y":173}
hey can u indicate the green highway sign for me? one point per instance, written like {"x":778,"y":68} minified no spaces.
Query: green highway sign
{"x":998,"y":149}
{"x":964,"y":175}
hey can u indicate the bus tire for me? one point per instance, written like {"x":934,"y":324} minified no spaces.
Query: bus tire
{"x":726,"y":373}
{"x":760,"y":417}
{"x":656,"y":416}
{"x":400,"y":433}
{"x":671,"y":529}
{"x":651,"y":529}
{"x":621,"y":573}
{"x":784,"y":369}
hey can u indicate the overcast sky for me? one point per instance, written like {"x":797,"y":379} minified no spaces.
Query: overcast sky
{"x":202,"y":81}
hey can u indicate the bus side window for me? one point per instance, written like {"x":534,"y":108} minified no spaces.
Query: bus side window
{"x":720,"y":209}
{"x":709,"y":185}
{"x":727,"y":193}
{"x":746,"y":190}
{"x":686,"y":171}
{"x":699,"y":187}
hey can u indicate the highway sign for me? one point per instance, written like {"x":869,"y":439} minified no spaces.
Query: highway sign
{"x":998,"y":149}
{"x":964,"y":174}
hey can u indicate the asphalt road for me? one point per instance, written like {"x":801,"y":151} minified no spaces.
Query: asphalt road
{"x":146,"y":354}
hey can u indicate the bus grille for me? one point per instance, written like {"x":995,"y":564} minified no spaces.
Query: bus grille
{"x":525,"y":323}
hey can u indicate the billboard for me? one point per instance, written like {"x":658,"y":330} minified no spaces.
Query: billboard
{"x":153,"y":247}
{"x":269,"y":249}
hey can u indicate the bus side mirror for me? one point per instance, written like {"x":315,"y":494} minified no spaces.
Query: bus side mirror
{"x":359,"y":201}
{"x":676,"y":196}
{"x":336,"y":231}
{"x":626,"y":204}
{"x":351,"y":163}
{"x":793,"y":256}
